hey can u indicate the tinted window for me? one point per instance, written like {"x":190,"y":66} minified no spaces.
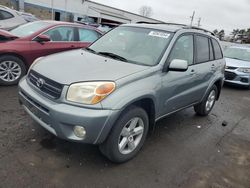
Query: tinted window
{"x":183,"y":49}
{"x":211,"y":52}
{"x":217,"y":50}
{"x":202,"y":49}
{"x":63,"y":33}
{"x":5,"y":15}
{"x":86,"y":35}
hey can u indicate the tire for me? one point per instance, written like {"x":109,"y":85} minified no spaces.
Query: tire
{"x":120,"y":133}
{"x":12,"y":69}
{"x":203,"y":109}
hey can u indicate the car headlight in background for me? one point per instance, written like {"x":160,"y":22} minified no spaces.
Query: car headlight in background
{"x":245,"y":70}
{"x":89,"y":92}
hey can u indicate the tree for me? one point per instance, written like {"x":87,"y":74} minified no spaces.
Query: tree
{"x":215,"y":32}
{"x":221,"y":34}
{"x":146,"y":11}
{"x":235,"y":32}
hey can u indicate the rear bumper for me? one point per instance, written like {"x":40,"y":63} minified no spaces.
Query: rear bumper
{"x":60,"y":118}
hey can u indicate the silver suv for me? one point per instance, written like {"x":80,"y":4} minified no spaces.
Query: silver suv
{"x":113,"y":92}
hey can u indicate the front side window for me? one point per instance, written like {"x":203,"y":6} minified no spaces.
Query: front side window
{"x":5,"y":15}
{"x":136,"y":45}
{"x":61,"y":34}
{"x":183,"y":49}
{"x":217,"y":50}
{"x":86,"y":35}
{"x":202,"y":48}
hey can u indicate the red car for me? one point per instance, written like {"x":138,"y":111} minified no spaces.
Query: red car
{"x":21,"y":46}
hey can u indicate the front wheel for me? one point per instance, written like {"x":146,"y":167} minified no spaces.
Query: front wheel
{"x":12,"y":69}
{"x":207,"y":104}
{"x":127,"y":136}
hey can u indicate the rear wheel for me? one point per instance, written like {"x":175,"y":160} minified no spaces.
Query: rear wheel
{"x":207,"y":104}
{"x":127,"y":136}
{"x":12,"y":69}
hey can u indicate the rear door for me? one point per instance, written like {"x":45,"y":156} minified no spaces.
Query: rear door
{"x":87,"y":37}
{"x":204,"y":64}
{"x":178,"y":88}
{"x":63,"y":38}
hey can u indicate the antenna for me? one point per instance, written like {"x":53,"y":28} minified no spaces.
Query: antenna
{"x":199,"y":22}
{"x":192,"y":18}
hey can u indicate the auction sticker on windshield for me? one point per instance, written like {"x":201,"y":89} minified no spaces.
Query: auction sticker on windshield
{"x":159,"y":34}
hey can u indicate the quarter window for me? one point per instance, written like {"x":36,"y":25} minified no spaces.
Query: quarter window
{"x":86,"y":35}
{"x":61,"y":34}
{"x":211,"y":52}
{"x":202,"y":49}
{"x":5,"y":15}
{"x":217,"y":50}
{"x":183,"y":49}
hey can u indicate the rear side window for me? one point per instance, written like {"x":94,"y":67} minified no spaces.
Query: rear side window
{"x":202,"y":49}
{"x":217,"y":50}
{"x":211,"y":52}
{"x":5,"y":15}
{"x":86,"y":35}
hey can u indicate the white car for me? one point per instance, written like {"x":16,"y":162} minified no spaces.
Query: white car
{"x":10,"y":18}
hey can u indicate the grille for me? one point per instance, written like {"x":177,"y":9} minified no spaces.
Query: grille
{"x":47,"y":86}
{"x":230,"y":75}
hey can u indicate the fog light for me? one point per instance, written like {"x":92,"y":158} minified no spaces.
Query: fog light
{"x":79,"y":131}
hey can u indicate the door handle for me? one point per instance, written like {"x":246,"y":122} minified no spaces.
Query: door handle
{"x":192,"y":72}
{"x":213,"y":68}
{"x":72,"y":46}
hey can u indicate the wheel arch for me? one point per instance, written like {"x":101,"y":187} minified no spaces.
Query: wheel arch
{"x":16,"y":55}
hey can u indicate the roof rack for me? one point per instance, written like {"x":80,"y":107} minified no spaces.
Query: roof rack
{"x":166,"y":23}
{"x":184,"y":26}
{"x":198,"y":28}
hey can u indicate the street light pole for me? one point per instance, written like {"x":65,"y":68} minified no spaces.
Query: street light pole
{"x":52,"y":9}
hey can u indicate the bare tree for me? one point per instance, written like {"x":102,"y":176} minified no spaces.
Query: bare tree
{"x":146,"y":11}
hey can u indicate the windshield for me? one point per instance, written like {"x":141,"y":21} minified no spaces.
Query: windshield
{"x":238,"y":53}
{"x":29,"y":28}
{"x":134,"y":45}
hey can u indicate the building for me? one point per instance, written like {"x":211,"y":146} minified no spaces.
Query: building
{"x":75,"y":10}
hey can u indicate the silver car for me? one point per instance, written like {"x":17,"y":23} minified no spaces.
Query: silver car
{"x":10,"y":18}
{"x":238,"y":65}
{"x":112,"y":93}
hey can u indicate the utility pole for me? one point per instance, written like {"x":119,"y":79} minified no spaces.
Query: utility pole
{"x":192,"y":18}
{"x":52,"y":9}
{"x":66,"y":3}
{"x":199,"y":22}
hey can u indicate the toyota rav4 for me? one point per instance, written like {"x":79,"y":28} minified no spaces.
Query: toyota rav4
{"x":112,"y":93}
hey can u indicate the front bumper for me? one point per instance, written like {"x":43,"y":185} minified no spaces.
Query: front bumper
{"x":236,"y":77}
{"x":60,"y":118}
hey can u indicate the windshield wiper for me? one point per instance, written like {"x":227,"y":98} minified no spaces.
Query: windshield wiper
{"x":114,"y":56}
{"x":90,"y":50}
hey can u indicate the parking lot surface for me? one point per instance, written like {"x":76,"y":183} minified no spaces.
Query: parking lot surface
{"x":183,"y":151}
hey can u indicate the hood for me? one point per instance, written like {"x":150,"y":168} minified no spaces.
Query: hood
{"x":80,"y":65}
{"x":237,"y":63}
{"x":5,"y":35}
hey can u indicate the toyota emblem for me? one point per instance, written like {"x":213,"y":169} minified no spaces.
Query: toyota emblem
{"x":40,"y":82}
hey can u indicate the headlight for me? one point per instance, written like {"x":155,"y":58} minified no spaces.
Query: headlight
{"x":245,"y":70}
{"x":89,"y":92}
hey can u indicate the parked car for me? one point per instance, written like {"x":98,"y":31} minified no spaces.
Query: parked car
{"x":113,"y":92}
{"x":238,"y":65}
{"x":28,"y":17}
{"x":22,"y":45}
{"x":10,"y":18}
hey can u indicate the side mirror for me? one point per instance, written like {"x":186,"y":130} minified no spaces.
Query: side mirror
{"x":42,"y":38}
{"x":178,"y":65}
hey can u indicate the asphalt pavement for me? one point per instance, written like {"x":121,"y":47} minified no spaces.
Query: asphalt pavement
{"x":185,"y":150}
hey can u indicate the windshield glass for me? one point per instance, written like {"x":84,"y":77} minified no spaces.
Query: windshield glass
{"x":134,"y":45}
{"x":29,"y":28}
{"x":238,"y":53}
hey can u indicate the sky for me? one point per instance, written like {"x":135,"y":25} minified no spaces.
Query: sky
{"x":214,"y":14}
